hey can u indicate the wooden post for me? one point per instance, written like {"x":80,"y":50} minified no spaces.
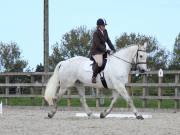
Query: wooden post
{"x":69,"y":99}
{"x":159,"y":92}
{"x":177,"y":93}
{"x":101,"y":100}
{"x":129,"y":90}
{"x":7,"y":90}
{"x":97,"y":99}
{"x":46,"y":37}
{"x":145,"y":92}
{"x":43,"y":89}
{"x":32,"y":90}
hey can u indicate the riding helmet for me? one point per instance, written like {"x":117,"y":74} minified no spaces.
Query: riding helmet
{"x":101,"y":22}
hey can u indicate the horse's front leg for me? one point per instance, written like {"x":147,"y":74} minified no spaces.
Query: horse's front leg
{"x":55,"y":102}
{"x":54,"y":108}
{"x":123,"y":92}
{"x":115,"y":96}
{"x":131,"y":104}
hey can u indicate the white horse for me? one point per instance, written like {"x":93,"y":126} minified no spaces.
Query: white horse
{"x":73,"y":72}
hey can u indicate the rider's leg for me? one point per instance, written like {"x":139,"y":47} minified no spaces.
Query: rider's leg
{"x":99,"y":61}
{"x":95,"y":72}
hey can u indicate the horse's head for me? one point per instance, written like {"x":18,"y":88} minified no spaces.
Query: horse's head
{"x":141,"y":57}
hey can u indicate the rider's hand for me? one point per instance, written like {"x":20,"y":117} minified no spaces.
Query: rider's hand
{"x":108,"y":52}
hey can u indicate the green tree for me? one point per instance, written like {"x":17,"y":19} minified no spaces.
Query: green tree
{"x":153,"y":49}
{"x":133,"y":38}
{"x":175,"y":61}
{"x":77,"y":42}
{"x":56,"y":57}
{"x":10,"y":58}
{"x":40,"y":68}
{"x":159,"y":60}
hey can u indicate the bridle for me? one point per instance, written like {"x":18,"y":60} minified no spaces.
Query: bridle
{"x":137,"y":55}
{"x":135,"y":59}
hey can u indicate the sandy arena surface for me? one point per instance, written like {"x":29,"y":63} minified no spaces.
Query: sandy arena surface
{"x":29,"y":121}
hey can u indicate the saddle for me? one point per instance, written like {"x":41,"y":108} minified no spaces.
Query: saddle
{"x":100,"y":72}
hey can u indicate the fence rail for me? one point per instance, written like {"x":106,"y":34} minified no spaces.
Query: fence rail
{"x":39,"y":86}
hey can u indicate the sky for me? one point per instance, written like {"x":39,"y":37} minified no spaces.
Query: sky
{"x":21,"y":21}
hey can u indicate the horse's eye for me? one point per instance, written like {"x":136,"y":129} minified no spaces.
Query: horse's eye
{"x":140,"y":56}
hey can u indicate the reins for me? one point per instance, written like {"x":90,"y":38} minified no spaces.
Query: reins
{"x":121,"y":59}
{"x":134,"y":63}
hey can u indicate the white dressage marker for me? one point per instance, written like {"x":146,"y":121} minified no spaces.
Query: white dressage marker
{"x":146,"y":116}
{"x":1,"y":108}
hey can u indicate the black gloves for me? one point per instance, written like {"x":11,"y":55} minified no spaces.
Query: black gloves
{"x":108,"y":52}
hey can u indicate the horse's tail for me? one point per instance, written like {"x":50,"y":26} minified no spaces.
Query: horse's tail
{"x":52,"y":86}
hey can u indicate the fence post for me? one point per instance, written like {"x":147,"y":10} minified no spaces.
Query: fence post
{"x":145,"y":92}
{"x":159,"y":92}
{"x":97,"y":98}
{"x":7,"y":90}
{"x":69,"y":99}
{"x":43,"y":89}
{"x":129,"y":90}
{"x":101,"y":99}
{"x":177,"y":92}
{"x":32,"y":90}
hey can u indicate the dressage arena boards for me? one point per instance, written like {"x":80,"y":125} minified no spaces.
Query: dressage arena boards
{"x":31,"y":121}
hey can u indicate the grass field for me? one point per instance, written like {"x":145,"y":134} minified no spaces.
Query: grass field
{"x":91,"y":102}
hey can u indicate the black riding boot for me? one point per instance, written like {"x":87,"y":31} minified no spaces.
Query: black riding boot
{"x":95,"y":73}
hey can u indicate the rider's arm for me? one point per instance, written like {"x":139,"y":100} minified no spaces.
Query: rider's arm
{"x":110,"y":43}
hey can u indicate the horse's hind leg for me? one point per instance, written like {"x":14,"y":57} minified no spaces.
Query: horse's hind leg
{"x":81,"y":91}
{"x":55,"y":102}
{"x":115,"y":96}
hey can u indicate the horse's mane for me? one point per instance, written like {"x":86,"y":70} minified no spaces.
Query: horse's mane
{"x":127,"y":46}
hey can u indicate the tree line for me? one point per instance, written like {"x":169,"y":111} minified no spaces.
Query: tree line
{"x":77,"y":42}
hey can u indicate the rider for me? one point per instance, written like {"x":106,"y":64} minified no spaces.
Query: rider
{"x":98,"y":49}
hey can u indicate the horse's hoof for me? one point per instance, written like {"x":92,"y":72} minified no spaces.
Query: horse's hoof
{"x":50,"y":115}
{"x":92,"y":116}
{"x":102,"y":115}
{"x":89,"y":114}
{"x":139,"y":117}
